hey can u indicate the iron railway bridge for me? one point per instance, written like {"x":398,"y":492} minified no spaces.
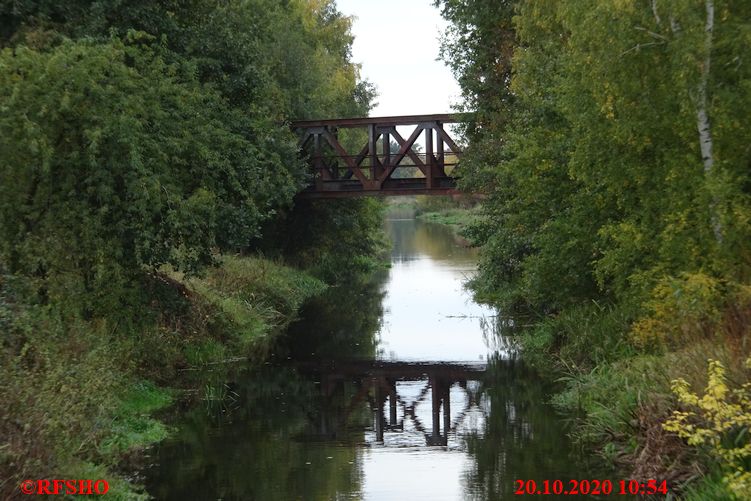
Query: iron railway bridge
{"x":387,"y":163}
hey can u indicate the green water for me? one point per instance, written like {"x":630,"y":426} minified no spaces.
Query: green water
{"x":395,"y":388}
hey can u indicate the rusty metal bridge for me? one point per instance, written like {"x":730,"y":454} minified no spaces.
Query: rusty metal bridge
{"x":369,"y":156}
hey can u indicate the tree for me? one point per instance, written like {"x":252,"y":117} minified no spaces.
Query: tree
{"x":113,"y":160}
{"x":148,"y":133}
{"x":600,"y":176}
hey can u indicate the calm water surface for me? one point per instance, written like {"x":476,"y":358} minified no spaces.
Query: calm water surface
{"x":392,"y":389}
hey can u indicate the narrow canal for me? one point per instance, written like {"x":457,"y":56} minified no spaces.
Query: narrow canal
{"x":396,"y":388}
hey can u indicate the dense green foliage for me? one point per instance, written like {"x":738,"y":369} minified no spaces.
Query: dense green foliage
{"x":143,"y":147}
{"x":334,"y":239}
{"x":152,"y":133}
{"x":111,"y":163}
{"x":599,"y":183}
{"x":611,"y":141}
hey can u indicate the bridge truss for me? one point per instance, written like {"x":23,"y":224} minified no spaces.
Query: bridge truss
{"x":387,"y":163}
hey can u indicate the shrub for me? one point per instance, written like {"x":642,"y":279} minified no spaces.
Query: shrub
{"x":681,"y":308}
{"x":719,"y":422}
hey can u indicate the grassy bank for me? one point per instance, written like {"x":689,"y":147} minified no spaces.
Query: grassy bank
{"x":457,"y":218}
{"x":457,"y":212}
{"x":626,"y":398}
{"x":80,"y":394}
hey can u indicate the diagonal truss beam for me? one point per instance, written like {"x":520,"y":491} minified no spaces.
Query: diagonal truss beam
{"x":406,"y":150}
{"x":353,"y":167}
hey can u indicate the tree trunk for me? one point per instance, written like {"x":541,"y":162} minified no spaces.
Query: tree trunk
{"x":702,"y":117}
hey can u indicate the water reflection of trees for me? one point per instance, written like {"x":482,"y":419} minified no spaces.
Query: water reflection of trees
{"x":342,"y":323}
{"x":499,"y":336}
{"x":522,"y":439}
{"x":257,"y":451}
{"x":412,"y":238}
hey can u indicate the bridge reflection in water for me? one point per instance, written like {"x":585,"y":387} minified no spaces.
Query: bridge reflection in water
{"x":394,"y":392}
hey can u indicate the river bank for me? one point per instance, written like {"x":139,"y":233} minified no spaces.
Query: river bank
{"x":618,"y":394}
{"x":81,"y":400}
{"x":612,"y":233}
{"x":457,"y":213}
{"x":622,"y":396}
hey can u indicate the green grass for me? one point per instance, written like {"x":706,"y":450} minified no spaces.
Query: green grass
{"x":205,"y":351}
{"x":582,"y":337}
{"x":708,"y":488}
{"x":251,"y":297}
{"x":120,"y":488}
{"x":457,"y":218}
{"x":132,"y":427}
{"x":606,"y":397}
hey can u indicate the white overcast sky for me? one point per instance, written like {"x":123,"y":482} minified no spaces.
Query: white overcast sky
{"x":397,"y":44}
